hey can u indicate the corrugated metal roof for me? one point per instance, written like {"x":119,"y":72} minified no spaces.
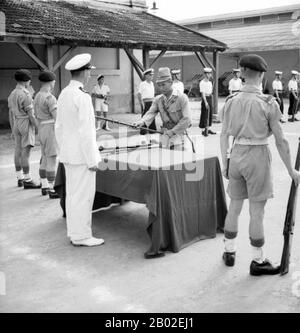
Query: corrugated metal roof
{"x":64,"y":22}
{"x":260,"y":37}
{"x":237,"y":15}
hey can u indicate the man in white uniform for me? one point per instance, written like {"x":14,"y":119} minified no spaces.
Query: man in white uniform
{"x":206,"y":90}
{"x":293,"y":89}
{"x":177,"y":84}
{"x":100,"y":93}
{"x":76,"y":137}
{"x":235,"y":84}
{"x":146,"y":95}
{"x":278,"y":92}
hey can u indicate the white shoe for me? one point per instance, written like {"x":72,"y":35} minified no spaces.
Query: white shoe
{"x":88,"y":242}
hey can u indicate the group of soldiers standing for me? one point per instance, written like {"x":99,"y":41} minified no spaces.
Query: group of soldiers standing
{"x":28,"y":116}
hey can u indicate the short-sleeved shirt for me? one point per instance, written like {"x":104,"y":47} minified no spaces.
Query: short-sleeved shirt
{"x":103,"y":90}
{"x":235,"y":84}
{"x":146,"y":89}
{"x":293,"y":86}
{"x":277,"y":85}
{"x":248,"y":114}
{"x":20,"y":102}
{"x":175,"y":112}
{"x":206,"y":87}
{"x":178,"y":85}
{"x":44,"y":105}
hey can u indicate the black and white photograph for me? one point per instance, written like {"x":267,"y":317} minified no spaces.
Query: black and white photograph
{"x":149,"y":159}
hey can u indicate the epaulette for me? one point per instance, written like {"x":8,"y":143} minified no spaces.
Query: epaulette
{"x":231,"y":96}
{"x":83,"y":90}
{"x":269,"y":99}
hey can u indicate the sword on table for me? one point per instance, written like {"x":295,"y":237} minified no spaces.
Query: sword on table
{"x":145,"y":128}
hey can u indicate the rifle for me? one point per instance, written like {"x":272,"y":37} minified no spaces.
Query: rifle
{"x":289,"y":222}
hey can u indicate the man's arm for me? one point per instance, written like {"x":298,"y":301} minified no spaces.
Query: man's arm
{"x":149,"y":115}
{"x":52,"y":104}
{"x":283,"y":145}
{"x":204,"y":99}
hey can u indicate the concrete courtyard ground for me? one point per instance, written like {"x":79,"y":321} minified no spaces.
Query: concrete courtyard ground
{"x":44,"y":273}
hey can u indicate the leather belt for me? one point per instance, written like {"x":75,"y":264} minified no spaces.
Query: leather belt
{"x":50,"y":121}
{"x":251,"y":142}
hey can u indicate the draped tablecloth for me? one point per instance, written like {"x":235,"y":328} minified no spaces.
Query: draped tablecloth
{"x":184,"y":194}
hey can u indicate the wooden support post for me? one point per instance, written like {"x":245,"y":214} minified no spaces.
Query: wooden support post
{"x":161,"y":54}
{"x":216,"y":82}
{"x":50,"y":57}
{"x":63,"y":58}
{"x":26,"y":49}
{"x":199,"y":57}
{"x":134,"y":64}
{"x":146,"y":58}
{"x":207,"y":61}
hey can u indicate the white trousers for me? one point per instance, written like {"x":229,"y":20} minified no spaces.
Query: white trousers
{"x":80,"y":193}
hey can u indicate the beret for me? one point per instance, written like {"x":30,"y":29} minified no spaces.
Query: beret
{"x":47,"y":76}
{"x":79,"y":63}
{"x":23,"y":75}
{"x":148,"y":71}
{"x":254,"y":62}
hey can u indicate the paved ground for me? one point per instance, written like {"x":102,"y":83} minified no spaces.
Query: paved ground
{"x":45,"y":274}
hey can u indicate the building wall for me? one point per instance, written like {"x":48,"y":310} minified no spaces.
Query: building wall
{"x":112,"y":63}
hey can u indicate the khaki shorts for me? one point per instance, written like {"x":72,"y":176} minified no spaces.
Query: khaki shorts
{"x":47,"y":140}
{"x":24,"y":133}
{"x":250,"y":173}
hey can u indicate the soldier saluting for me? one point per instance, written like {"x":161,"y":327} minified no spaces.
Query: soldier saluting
{"x":251,"y":117}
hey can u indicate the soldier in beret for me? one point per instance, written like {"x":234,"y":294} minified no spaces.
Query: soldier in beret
{"x":251,"y":117}
{"x":45,"y":107}
{"x":23,"y":125}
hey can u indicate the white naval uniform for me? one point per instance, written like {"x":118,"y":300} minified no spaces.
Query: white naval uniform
{"x":178,"y":85}
{"x":147,"y":90}
{"x":76,"y":137}
{"x":293,"y":86}
{"x":277,"y":85}
{"x":100,"y":104}
{"x":235,"y":84}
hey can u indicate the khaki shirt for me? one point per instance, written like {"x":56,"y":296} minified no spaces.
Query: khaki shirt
{"x":247,"y":115}
{"x":175,"y":112}
{"x":44,"y":105}
{"x":20,"y":102}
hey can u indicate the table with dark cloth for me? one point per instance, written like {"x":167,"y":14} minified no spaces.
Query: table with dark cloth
{"x":184,"y":194}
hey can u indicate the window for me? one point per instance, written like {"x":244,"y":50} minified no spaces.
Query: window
{"x":255,"y":19}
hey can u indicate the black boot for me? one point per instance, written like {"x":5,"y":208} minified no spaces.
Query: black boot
{"x":229,"y":258}
{"x":265,"y":268}
{"x":30,"y":184}
{"x":53,"y":194}
{"x":45,"y":190}
{"x":20,"y":182}
{"x":205,"y":132}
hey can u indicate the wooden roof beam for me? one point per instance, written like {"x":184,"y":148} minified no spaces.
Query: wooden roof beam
{"x":26,"y":49}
